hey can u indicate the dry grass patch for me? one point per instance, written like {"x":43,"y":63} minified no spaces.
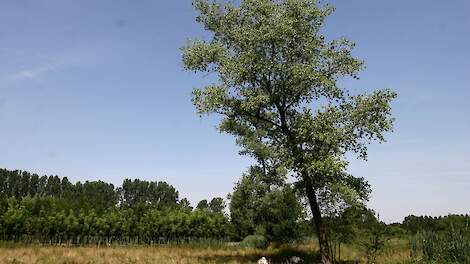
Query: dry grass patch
{"x":178,"y":254}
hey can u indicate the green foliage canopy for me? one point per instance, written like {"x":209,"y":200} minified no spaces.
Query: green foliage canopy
{"x":278,"y":79}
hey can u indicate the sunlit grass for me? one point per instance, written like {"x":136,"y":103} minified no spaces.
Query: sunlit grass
{"x":395,"y":253}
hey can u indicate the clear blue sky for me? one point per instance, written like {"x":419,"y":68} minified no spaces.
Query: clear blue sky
{"x":95,"y":90}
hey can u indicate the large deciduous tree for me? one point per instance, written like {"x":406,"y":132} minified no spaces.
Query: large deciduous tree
{"x":278,"y":93}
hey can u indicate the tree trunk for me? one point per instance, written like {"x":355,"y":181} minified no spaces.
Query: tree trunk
{"x":309,"y":190}
{"x":339,"y":251}
{"x":317,"y":219}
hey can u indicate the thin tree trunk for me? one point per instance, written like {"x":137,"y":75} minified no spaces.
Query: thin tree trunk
{"x":339,"y":251}
{"x":317,"y":219}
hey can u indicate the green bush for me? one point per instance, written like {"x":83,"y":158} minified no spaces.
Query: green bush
{"x":444,"y":247}
{"x":254,"y":241}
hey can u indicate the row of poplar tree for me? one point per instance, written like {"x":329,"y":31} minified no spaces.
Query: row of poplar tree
{"x":49,"y":209}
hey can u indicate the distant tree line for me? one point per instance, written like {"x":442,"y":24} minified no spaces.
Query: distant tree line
{"x":49,"y":209}
{"x":415,"y":224}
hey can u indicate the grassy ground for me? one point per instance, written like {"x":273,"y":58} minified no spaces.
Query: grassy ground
{"x":176,"y":254}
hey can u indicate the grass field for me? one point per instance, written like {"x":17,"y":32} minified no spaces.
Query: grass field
{"x":178,"y":254}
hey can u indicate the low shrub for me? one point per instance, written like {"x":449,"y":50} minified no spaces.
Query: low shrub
{"x":254,"y":241}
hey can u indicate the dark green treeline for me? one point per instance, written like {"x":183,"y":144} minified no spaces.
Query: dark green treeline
{"x":49,"y":209}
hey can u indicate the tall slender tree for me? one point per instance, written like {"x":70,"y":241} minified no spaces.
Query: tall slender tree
{"x":217,"y":205}
{"x":278,"y":88}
